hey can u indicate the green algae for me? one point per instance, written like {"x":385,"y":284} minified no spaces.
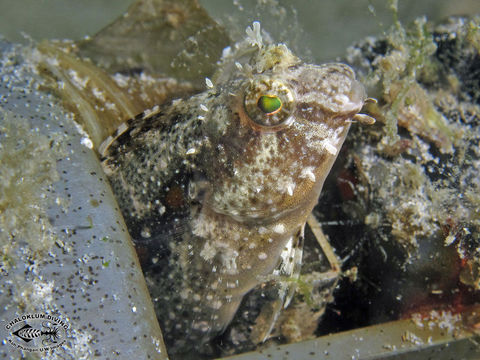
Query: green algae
{"x":397,"y":78}
{"x":418,"y":167}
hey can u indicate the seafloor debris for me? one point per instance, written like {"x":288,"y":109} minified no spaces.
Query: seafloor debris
{"x":409,"y":185}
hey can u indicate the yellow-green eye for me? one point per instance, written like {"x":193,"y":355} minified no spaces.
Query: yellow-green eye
{"x":268,"y":103}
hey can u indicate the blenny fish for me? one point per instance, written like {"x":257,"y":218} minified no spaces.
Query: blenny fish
{"x":217,"y":187}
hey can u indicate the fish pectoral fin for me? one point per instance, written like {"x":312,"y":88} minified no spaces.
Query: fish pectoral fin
{"x":293,"y":274}
{"x":285,"y":279}
{"x":269,"y":315}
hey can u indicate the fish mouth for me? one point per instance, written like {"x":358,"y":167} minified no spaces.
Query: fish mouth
{"x":357,"y":97}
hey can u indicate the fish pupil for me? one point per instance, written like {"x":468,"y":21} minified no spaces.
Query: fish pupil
{"x":269,"y":104}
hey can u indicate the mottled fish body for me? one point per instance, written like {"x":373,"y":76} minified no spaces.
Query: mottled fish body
{"x":218,"y":186}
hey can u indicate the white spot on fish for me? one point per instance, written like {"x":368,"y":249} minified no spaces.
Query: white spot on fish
{"x":290,"y":188}
{"x":262,"y":230}
{"x":216,"y":304}
{"x":145,"y":233}
{"x":327,"y":145}
{"x":279,"y":228}
{"x":308,"y":173}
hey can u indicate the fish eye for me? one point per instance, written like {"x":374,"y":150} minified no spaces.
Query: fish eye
{"x":268,"y":103}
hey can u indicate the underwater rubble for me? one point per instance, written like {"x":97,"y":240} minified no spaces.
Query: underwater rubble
{"x":407,"y":189}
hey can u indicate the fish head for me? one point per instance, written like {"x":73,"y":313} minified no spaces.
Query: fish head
{"x":280,"y":128}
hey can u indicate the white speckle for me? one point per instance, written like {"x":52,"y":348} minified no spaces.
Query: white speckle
{"x":145,"y":233}
{"x":161,"y":210}
{"x":77,"y":80}
{"x":184,"y":294}
{"x":449,"y":240}
{"x":87,"y":142}
{"x":134,"y":309}
{"x":203,"y":107}
{"x":41,"y":291}
{"x":156,"y":342}
{"x":254,"y":34}
{"x":308,"y":173}
{"x":110,"y":106}
{"x":329,"y":147}
{"x":201,"y":117}
{"x":121,"y":80}
{"x":191,"y":151}
{"x":252,"y":246}
{"x":209,"y":83}
{"x":262,"y":256}
{"x":343,"y":99}
{"x":209,"y":251}
{"x":279,"y":228}
{"x":262,"y":230}
{"x":98,"y":94}
{"x":238,"y":65}
{"x":216,"y":304}
{"x":290,"y":188}
{"x":226,"y":51}
{"x":53,"y":61}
